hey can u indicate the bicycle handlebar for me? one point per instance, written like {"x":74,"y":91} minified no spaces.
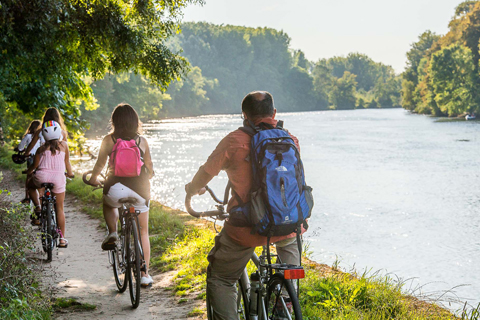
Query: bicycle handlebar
{"x":219,"y":213}
{"x":86,"y":181}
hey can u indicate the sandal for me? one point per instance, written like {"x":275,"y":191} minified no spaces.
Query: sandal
{"x":36,"y":215}
{"x":25,"y":201}
{"x":64,"y":244}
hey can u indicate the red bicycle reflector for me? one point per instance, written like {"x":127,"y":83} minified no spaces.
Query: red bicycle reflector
{"x":294,"y":274}
{"x":48,"y":193}
{"x":132,"y":210}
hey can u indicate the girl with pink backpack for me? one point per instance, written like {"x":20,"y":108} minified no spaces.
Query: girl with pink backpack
{"x":129,"y":169}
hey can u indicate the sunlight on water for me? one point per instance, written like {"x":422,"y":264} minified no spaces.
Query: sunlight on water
{"x":393,"y":191}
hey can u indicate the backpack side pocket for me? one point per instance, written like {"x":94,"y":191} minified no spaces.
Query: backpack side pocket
{"x":257,"y":207}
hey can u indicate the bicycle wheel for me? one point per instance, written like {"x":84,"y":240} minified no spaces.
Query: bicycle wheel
{"x":281,"y":301}
{"x":49,"y":231}
{"x":43,"y":226}
{"x":133,"y":257}
{"x":119,"y":266}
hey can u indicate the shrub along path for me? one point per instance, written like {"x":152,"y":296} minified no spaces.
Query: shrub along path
{"x":82,"y":272}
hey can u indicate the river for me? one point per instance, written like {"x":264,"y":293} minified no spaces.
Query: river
{"x":394,"y":192}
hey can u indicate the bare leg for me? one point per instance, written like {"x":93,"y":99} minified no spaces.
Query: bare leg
{"x":143,"y":225}
{"x":111,"y":217}
{"x":26,"y":187}
{"x":34,"y":196}
{"x":60,"y":198}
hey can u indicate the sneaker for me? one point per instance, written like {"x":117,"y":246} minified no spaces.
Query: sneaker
{"x":109,"y":242}
{"x":146,"y":281}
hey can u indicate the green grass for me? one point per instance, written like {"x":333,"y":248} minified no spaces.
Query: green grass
{"x":72,"y":304}
{"x":196,"y":312}
{"x":339,"y":295}
{"x":189,"y":257}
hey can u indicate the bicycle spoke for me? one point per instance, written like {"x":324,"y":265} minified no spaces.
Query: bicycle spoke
{"x":282,"y":301}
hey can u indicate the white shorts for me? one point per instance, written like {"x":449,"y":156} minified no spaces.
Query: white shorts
{"x":119,"y":191}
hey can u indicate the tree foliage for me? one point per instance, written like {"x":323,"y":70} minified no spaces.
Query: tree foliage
{"x":48,"y":47}
{"x":442,"y":75}
{"x":230,"y":61}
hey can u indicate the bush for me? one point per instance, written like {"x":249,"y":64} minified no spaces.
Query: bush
{"x":20,"y":296}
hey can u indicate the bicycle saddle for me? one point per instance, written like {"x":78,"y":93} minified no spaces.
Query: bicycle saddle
{"x":47,"y":185}
{"x":128,"y":200}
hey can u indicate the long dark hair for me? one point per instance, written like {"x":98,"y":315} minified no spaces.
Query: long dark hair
{"x":53,"y":146}
{"x":52,"y":114}
{"x":33,"y":127}
{"x":125,"y":122}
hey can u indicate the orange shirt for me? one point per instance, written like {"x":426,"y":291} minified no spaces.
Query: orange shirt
{"x":231,"y":155}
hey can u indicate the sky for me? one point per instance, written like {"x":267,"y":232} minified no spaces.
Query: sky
{"x":382,"y":29}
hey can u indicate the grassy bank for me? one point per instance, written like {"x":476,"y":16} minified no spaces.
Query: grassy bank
{"x":181,"y":243}
{"x":20,"y":296}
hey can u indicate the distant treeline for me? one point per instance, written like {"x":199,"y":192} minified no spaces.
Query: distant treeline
{"x":228,"y":61}
{"x":442,"y":75}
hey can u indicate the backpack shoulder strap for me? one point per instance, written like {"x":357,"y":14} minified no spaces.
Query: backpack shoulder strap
{"x":280,"y":124}
{"x":138,"y":139}
{"x":113,"y":139}
{"x":266,"y":126}
{"x":249,"y":128}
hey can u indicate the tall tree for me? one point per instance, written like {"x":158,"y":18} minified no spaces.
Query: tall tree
{"x":452,"y":77}
{"x":342,"y":95}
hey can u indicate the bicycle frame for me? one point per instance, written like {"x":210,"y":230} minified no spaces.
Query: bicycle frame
{"x":125,"y":215}
{"x":48,"y":201}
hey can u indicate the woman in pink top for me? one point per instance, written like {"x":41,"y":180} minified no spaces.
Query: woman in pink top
{"x":51,"y":161}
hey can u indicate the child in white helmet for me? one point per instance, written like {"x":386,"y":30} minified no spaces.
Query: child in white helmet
{"x":26,"y":139}
{"x":51,"y":161}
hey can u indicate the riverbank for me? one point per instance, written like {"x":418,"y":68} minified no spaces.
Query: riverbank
{"x":179,"y":247}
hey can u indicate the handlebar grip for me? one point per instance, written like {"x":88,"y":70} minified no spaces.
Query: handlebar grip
{"x":196,"y":214}
{"x":84,"y":177}
{"x":86,"y":181}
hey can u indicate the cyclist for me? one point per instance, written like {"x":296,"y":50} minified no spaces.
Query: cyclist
{"x":50,"y":162}
{"x":26,"y":139}
{"x":235,"y":244}
{"x":126,"y":126}
{"x":51,"y":114}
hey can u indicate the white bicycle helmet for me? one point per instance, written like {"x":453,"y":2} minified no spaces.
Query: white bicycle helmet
{"x":52,"y":131}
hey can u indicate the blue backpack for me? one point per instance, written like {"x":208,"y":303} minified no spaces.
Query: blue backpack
{"x":280,"y":200}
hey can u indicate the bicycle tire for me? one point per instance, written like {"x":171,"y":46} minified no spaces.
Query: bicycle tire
{"x":43,"y":226}
{"x":49,"y":231}
{"x":133,"y":256}
{"x":275,"y":299}
{"x":119,"y":267}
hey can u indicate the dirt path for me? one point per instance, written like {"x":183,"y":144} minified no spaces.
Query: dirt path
{"x":82,"y":271}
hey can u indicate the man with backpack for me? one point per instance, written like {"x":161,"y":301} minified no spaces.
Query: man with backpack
{"x":252,"y":211}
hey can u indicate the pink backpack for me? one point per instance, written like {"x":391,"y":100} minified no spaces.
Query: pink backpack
{"x":126,"y":158}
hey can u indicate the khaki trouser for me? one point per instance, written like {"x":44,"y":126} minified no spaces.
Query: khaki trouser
{"x":227,"y":260}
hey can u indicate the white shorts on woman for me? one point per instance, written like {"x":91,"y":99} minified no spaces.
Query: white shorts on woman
{"x":119,"y":191}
